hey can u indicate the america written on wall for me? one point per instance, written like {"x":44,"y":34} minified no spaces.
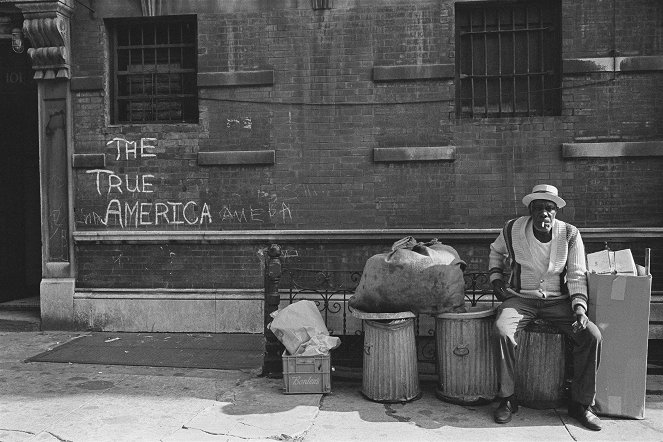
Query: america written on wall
{"x":123,"y":213}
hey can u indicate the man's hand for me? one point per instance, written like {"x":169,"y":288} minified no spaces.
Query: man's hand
{"x":499,"y":289}
{"x":581,"y":319}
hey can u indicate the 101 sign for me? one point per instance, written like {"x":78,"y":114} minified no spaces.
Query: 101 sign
{"x":13,"y":77}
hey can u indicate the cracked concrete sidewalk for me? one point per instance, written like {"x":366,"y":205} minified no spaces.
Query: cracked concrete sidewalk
{"x":80,"y":402}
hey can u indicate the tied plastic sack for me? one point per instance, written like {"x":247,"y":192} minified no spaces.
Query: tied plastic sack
{"x":302,"y":331}
{"x":414,"y":276}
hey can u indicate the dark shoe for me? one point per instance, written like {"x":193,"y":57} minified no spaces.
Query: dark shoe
{"x":585,"y":415}
{"x":508,"y":406}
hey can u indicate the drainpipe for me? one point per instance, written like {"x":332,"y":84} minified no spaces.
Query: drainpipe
{"x":272,"y":366}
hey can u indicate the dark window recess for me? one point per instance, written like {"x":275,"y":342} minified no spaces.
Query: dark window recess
{"x":154,"y":70}
{"x":508,"y":58}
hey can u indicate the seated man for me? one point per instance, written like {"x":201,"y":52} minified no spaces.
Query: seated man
{"x":548,"y":281}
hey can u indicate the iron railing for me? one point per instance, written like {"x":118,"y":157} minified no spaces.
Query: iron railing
{"x":331,"y":290}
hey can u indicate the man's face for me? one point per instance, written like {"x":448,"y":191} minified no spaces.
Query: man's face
{"x":543,"y":214}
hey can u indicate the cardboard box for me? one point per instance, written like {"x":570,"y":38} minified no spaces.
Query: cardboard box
{"x":306,"y":374}
{"x":619,"y":306}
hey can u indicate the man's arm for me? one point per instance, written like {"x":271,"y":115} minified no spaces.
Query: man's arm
{"x":576,"y":276}
{"x":576,"y":272}
{"x":497,"y":263}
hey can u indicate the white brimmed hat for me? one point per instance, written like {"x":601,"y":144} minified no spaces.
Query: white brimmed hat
{"x":544,"y":192}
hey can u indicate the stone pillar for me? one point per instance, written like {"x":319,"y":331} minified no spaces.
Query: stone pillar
{"x":46,"y":24}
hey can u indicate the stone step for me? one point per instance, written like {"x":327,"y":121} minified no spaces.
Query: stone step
{"x":31,"y":303}
{"x":20,"y":320}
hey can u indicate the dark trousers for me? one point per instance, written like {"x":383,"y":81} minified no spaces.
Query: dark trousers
{"x":516,"y":313}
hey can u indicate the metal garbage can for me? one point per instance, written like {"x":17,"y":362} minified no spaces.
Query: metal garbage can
{"x":466,"y":357}
{"x":390,"y":371}
{"x":541,"y":380}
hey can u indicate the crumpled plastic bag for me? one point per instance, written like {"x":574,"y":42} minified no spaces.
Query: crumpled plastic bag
{"x":413,"y":276}
{"x":301,"y":329}
{"x":319,"y":345}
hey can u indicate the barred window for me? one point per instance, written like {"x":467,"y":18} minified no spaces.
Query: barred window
{"x":154,"y":70}
{"x":508,"y":58}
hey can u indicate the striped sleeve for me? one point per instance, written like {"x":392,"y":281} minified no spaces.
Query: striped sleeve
{"x":497,"y":259}
{"x":576,"y":274}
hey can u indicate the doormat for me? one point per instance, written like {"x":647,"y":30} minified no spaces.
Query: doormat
{"x":186,"y":350}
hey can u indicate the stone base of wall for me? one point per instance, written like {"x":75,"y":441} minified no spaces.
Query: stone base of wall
{"x":163,"y":310}
{"x":55,"y":295}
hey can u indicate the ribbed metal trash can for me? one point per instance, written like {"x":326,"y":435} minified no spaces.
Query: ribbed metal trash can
{"x":466,"y":356}
{"x":390,"y":370}
{"x":541,"y":366}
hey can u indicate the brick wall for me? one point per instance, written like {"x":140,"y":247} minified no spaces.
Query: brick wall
{"x":604,"y":107}
{"x":589,"y":31}
{"x":323,"y":116}
{"x":239,"y":266}
{"x":182,"y":266}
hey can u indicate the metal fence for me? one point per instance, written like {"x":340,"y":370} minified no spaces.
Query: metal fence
{"x":286,"y":281}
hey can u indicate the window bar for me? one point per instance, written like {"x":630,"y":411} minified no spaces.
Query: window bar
{"x":142,"y":57}
{"x":542,"y":64}
{"x":153,"y":102}
{"x":513,"y":62}
{"x":168,"y":70}
{"x":529,"y":76}
{"x":499,"y":63}
{"x":167,"y":114}
{"x":181,"y":75}
{"x":485,"y":64}
{"x":115,"y":76}
{"x":471,"y":67}
{"x":128,"y":77}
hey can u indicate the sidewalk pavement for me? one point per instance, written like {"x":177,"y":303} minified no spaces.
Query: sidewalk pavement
{"x":79,"y":402}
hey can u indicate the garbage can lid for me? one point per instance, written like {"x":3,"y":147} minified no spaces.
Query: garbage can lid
{"x":377,"y":316}
{"x":479,"y":311}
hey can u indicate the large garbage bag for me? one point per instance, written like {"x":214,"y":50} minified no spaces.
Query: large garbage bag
{"x":414,"y":276}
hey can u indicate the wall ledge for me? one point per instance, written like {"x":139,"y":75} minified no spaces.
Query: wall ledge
{"x":88,"y":160}
{"x":414,"y":72}
{"x":174,"y":294}
{"x":424,"y":153}
{"x":237,"y":78}
{"x":610,"y":64}
{"x":349,"y":235}
{"x":90,"y":83}
{"x":237,"y":158}
{"x":613,"y":149}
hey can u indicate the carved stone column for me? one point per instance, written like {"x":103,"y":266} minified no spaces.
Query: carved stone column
{"x":50,"y":58}
{"x":46,"y":24}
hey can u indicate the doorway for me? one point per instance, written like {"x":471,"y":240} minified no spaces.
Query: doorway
{"x":20,"y":216}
